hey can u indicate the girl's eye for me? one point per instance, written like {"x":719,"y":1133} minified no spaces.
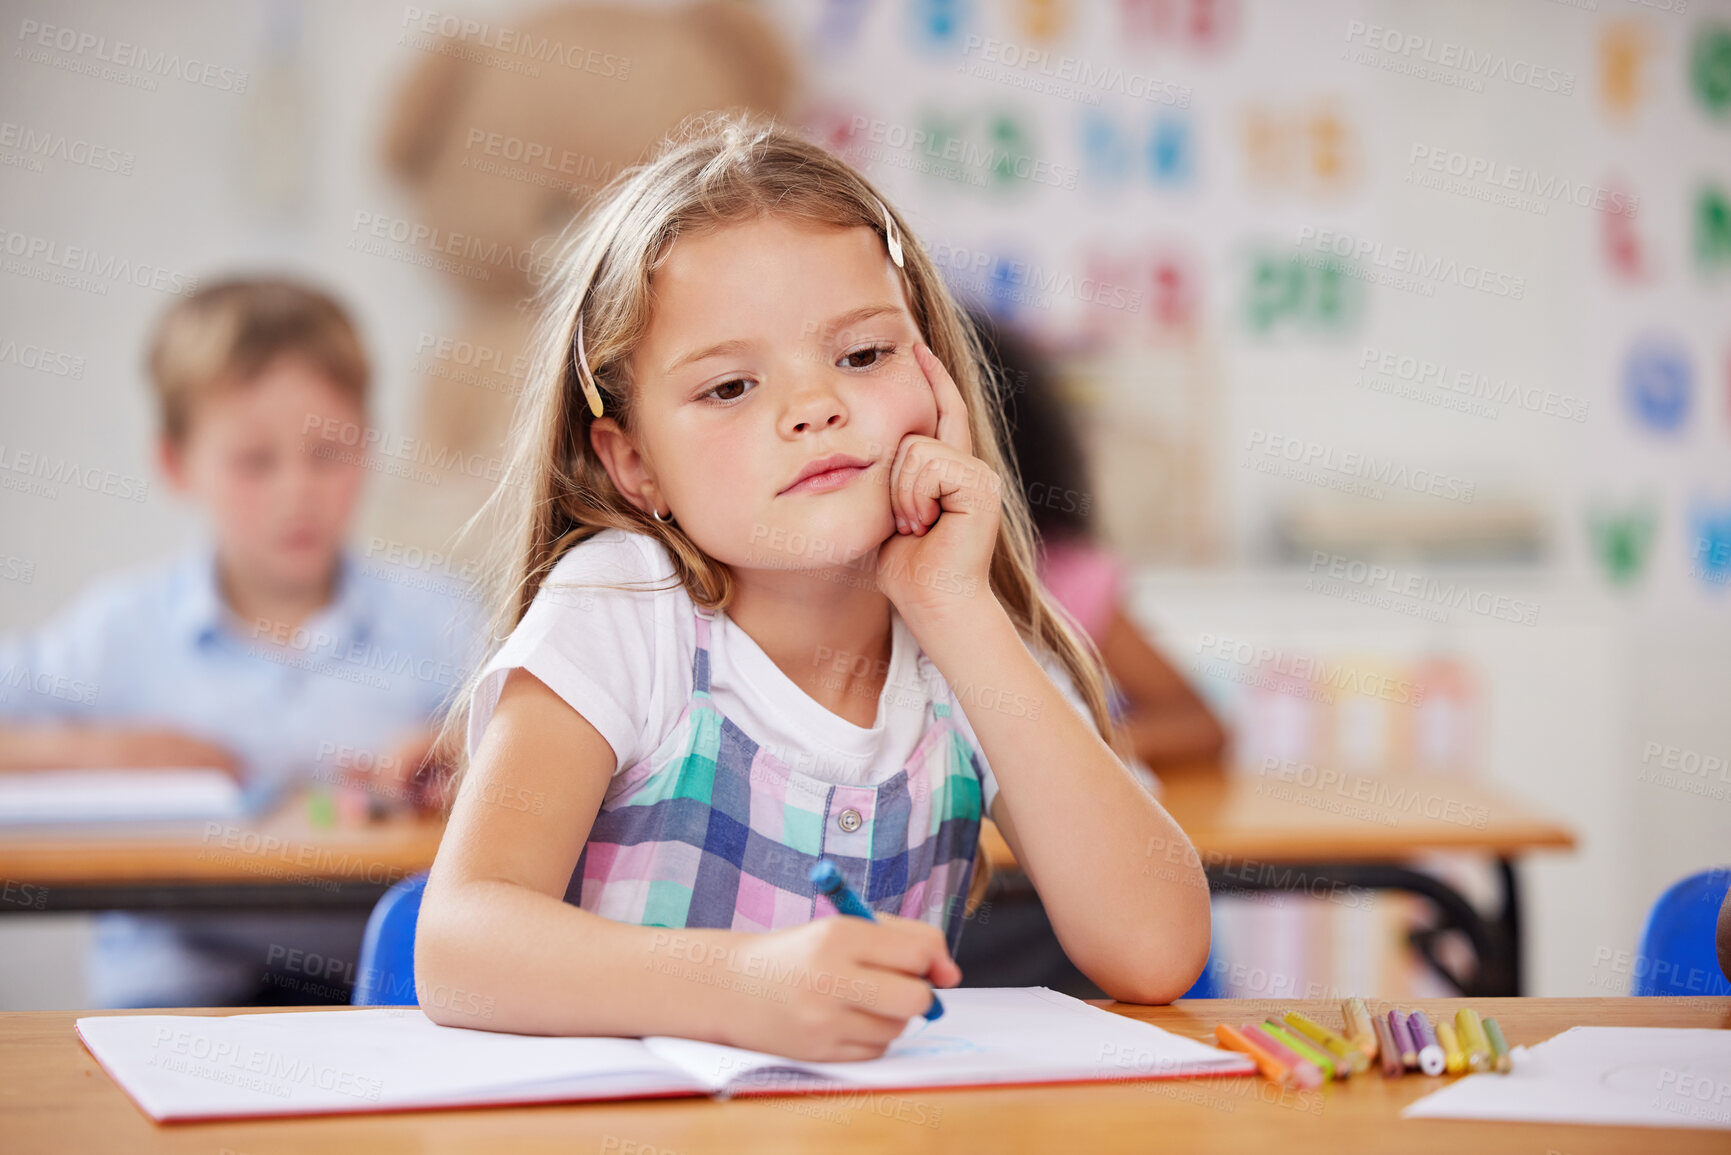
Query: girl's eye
{"x":877,"y":353}
{"x":716,"y":392}
{"x":882,"y":351}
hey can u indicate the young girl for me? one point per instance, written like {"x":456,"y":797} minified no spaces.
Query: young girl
{"x":768,"y":602}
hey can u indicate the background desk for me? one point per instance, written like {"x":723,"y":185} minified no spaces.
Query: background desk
{"x":1252,"y":832}
{"x":1267,"y":833}
{"x":280,"y":861}
{"x":55,"y":1098}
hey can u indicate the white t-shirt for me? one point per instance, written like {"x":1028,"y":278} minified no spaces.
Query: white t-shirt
{"x":622,"y":659}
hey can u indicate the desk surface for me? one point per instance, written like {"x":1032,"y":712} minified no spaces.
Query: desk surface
{"x":1275,"y":817}
{"x":55,"y":1098}
{"x":1302,"y":814}
{"x":282,"y":846}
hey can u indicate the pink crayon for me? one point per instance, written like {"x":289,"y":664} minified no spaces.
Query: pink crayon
{"x":1304,"y":1072}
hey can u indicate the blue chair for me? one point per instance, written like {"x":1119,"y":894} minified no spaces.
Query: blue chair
{"x":1677,"y":954}
{"x":387,"y":967}
{"x":1205,"y":987}
{"x":1207,"y":984}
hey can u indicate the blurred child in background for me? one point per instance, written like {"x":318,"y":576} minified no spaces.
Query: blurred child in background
{"x":266,"y":649}
{"x":1160,"y":719}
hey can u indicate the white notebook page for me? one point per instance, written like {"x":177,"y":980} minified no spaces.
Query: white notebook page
{"x":986,"y":1035}
{"x":376,"y":1058}
{"x":365,"y":1059}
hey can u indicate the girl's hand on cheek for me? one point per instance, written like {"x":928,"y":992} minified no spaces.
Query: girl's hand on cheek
{"x":946,"y":506}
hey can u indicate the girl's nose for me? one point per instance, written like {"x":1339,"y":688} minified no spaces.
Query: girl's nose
{"x":815,"y":406}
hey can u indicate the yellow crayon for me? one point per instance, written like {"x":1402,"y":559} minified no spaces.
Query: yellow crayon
{"x":1472,"y":1039}
{"x":1455,"y":1059}
{"x":1358,"y":1028}
{"x":1334,"y":1043}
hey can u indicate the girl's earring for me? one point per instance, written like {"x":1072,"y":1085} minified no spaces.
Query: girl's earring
{"x":668,"y":520}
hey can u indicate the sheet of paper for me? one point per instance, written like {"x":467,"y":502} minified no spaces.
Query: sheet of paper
{"x":986,"y":1035}
{"x":38,"y":797}
{"x":366,"y":1059}
{"x":1616,"y":1076}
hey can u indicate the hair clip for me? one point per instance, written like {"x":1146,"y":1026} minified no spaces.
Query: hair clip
{"x":589,"y":389}
{"x":892,"y":235}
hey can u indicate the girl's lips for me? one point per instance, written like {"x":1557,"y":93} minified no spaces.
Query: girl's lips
{"x":831,"y":479}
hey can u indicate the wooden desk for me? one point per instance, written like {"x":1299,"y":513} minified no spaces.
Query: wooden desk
{"x":1355,"y":818}
{"x":279,"y":861}
{"x":1352,"y":830}
{"x":1303,"y":828}
{"x":55,"y":1098}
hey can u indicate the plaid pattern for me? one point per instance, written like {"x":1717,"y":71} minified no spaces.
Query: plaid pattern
{"x":711,"y":830}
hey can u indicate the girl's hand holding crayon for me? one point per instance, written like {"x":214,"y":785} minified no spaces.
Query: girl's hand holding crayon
{"x":946,"y":507}
{"x":834,"y":989}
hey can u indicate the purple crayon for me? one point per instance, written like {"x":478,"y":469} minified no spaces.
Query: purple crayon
{"x":1403,"y":1040}
{"x":1431,"y":1059}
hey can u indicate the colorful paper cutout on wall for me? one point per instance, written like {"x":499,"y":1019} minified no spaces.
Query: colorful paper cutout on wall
{"x":1712,"y":230}
{"x":1710,"y":542}
{"x":1203,"y":26}
{"x":1623,"y":50}
{"x":1658,"y":383}
{"x":1622,"y":538}
{"x":1710,"y":69}
{"x":1315,"y":291}
{"x":1625,"y":254}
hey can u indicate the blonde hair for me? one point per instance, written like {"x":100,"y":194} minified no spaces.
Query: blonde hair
{"x":718,"y":169}
{"x":228,"y":332}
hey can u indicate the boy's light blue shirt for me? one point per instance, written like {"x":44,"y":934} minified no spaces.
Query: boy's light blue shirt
{"x":158,"y":647}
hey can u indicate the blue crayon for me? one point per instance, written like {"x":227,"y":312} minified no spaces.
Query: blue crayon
{"x":827,"y":878}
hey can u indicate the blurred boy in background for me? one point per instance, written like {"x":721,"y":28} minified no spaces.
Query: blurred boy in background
{"x":266,"y":649}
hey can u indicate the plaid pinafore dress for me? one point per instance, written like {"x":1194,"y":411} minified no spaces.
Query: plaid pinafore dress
{"x":711,"y":830}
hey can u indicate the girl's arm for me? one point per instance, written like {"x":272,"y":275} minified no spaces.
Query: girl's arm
{"x":1167,"y":720}
{"x":498,"y":947}
{"x":1124,"y":889}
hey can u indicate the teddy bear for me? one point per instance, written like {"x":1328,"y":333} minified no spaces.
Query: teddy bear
{"x":501,"y":133}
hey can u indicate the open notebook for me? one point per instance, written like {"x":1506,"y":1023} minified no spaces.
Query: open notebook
{"x":34,"y":797}
{"x":182,"y":1067}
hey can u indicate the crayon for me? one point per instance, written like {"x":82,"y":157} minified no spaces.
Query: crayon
{"x":1357,"y":1018}
{"x":1401,"y":1031}
{"x":1334,"y":1043}
{"x":1455,"y":1059}
{"x":1431,"y":1059}
{"x":1329,"y":1065}
{"x":1305,"y":1072}
{"x":826,"y":878}
{"x":1472,"y":1036}
{"x":1271,"y":1067}
{"x":1501,"y":1063}
{"x":1392,"y":1067}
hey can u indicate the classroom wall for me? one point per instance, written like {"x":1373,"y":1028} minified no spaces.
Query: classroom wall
{"x":1250,"y":214}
